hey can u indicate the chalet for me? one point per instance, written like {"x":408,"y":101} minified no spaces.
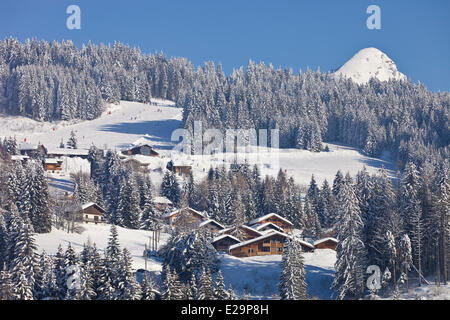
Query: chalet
{"x":211,"y":225}
{"x":223,"y":242}
{"x":246,"y":231}
{"x":326,"y":243}
{"x":66,"y":152}
{"x":142,"y":147}
{"x":162,"y":203}
{"x":32,"y":150}
{"x":178,"y":168}
{"x":276,"y":219}
{"x":265,"y":227}
{"x":269,"y":244}
{"x":184,"y":218}
{"x":136,"y":165}
{"x":90,"y":212}
{"x":53,"y":165}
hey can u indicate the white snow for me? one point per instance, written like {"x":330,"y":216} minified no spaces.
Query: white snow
{"x":259,"y":276}
{"x":129,"y":122}
{"x":368,"y":63}
{"x":133,"y":240}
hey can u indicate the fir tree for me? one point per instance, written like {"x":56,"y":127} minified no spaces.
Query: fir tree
{"x":351,"y":255}
{"x":292,"y":283}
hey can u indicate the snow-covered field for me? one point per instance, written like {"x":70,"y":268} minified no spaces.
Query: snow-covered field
{"x":258,"y":277}
{"x":133,"y":240}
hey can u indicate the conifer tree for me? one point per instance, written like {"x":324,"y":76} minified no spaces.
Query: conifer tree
{"x":205,"y":286}
{"x":6,"y":285}
{"x":128,"y":288}
{"x":220,"y":292}
{"x":292,"y":283}
{"x":351,"y":255}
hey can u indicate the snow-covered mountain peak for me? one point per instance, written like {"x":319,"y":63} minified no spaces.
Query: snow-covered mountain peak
{"x":368,"y":63}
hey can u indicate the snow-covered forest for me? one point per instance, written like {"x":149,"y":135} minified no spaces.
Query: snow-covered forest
{"x":58,"y":81}
{"x":400,"y":224}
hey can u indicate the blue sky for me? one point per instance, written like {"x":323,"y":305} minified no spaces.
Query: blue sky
{"x":294,"y":34}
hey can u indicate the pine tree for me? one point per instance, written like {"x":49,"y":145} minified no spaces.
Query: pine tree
{"x":351,"y":255}
{"x":6,"y":285}
{"x":146,"y":289}
{"x":205,"y":286}
{"x":72,"y":143}
{"x":170,"y":188}
{"x":405,"y":256}
{"x":412,"y":213}
{"x":24,"y":268}
{"x":292,"y":283}
{"x":220,"y":292}
{"x":173,"y":287}
{"x":129,"y":204}
{"x":128,"y":288}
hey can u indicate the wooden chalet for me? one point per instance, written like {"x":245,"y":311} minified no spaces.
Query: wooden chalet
{"x":326,"y":243}
{"x":223,"y":242}
{"x":269,"y":226}
{"x":211,"y":225}
{"x":271,"y":243}
{"x":184,"y":218}
{"x":178,"y":168}
{"x":32,"y":150}
{"x":90,"y":213}
{"x":53,"y":165}
{"x":136,"y":165}
{"x":66,"y":152}
{"x":162,"y":203}
{"x":276,"y":219}
{"x":247,"y":232}
{"x":142,"y":147}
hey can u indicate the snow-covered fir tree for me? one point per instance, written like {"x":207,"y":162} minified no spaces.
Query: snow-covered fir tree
{"x":292,"y":285}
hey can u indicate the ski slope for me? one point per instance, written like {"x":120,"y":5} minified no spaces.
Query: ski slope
{"x":121,"y":125}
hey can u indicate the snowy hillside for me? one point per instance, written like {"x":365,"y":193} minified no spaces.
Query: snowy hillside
{"x":368,"y":63}
{"x":256,"y":276}
{"x":127,"y":122}
{"x":133,"y":240}
{"x":259,"y":276}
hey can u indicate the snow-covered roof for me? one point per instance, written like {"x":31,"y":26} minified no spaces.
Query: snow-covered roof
{"x":245,"y":227}
{"x":143,"y":141}
{"x":211,"y":221}
{"x":268,"y":235}
{"x":87,"y":205}
{"x":223,"y":236}
{"x":267,"y":224}
{"x":325,"y":239}
{"x":169,"y":214}
{"x":257,"y":220}
{"x":162,"y":200}
{"x":128,"y":159}
{"x":19,"y":158}
{"x":66,"y":151}
{"x":52,"y":161}
{"x":90,"y":204}
{"x":27,"y":146}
